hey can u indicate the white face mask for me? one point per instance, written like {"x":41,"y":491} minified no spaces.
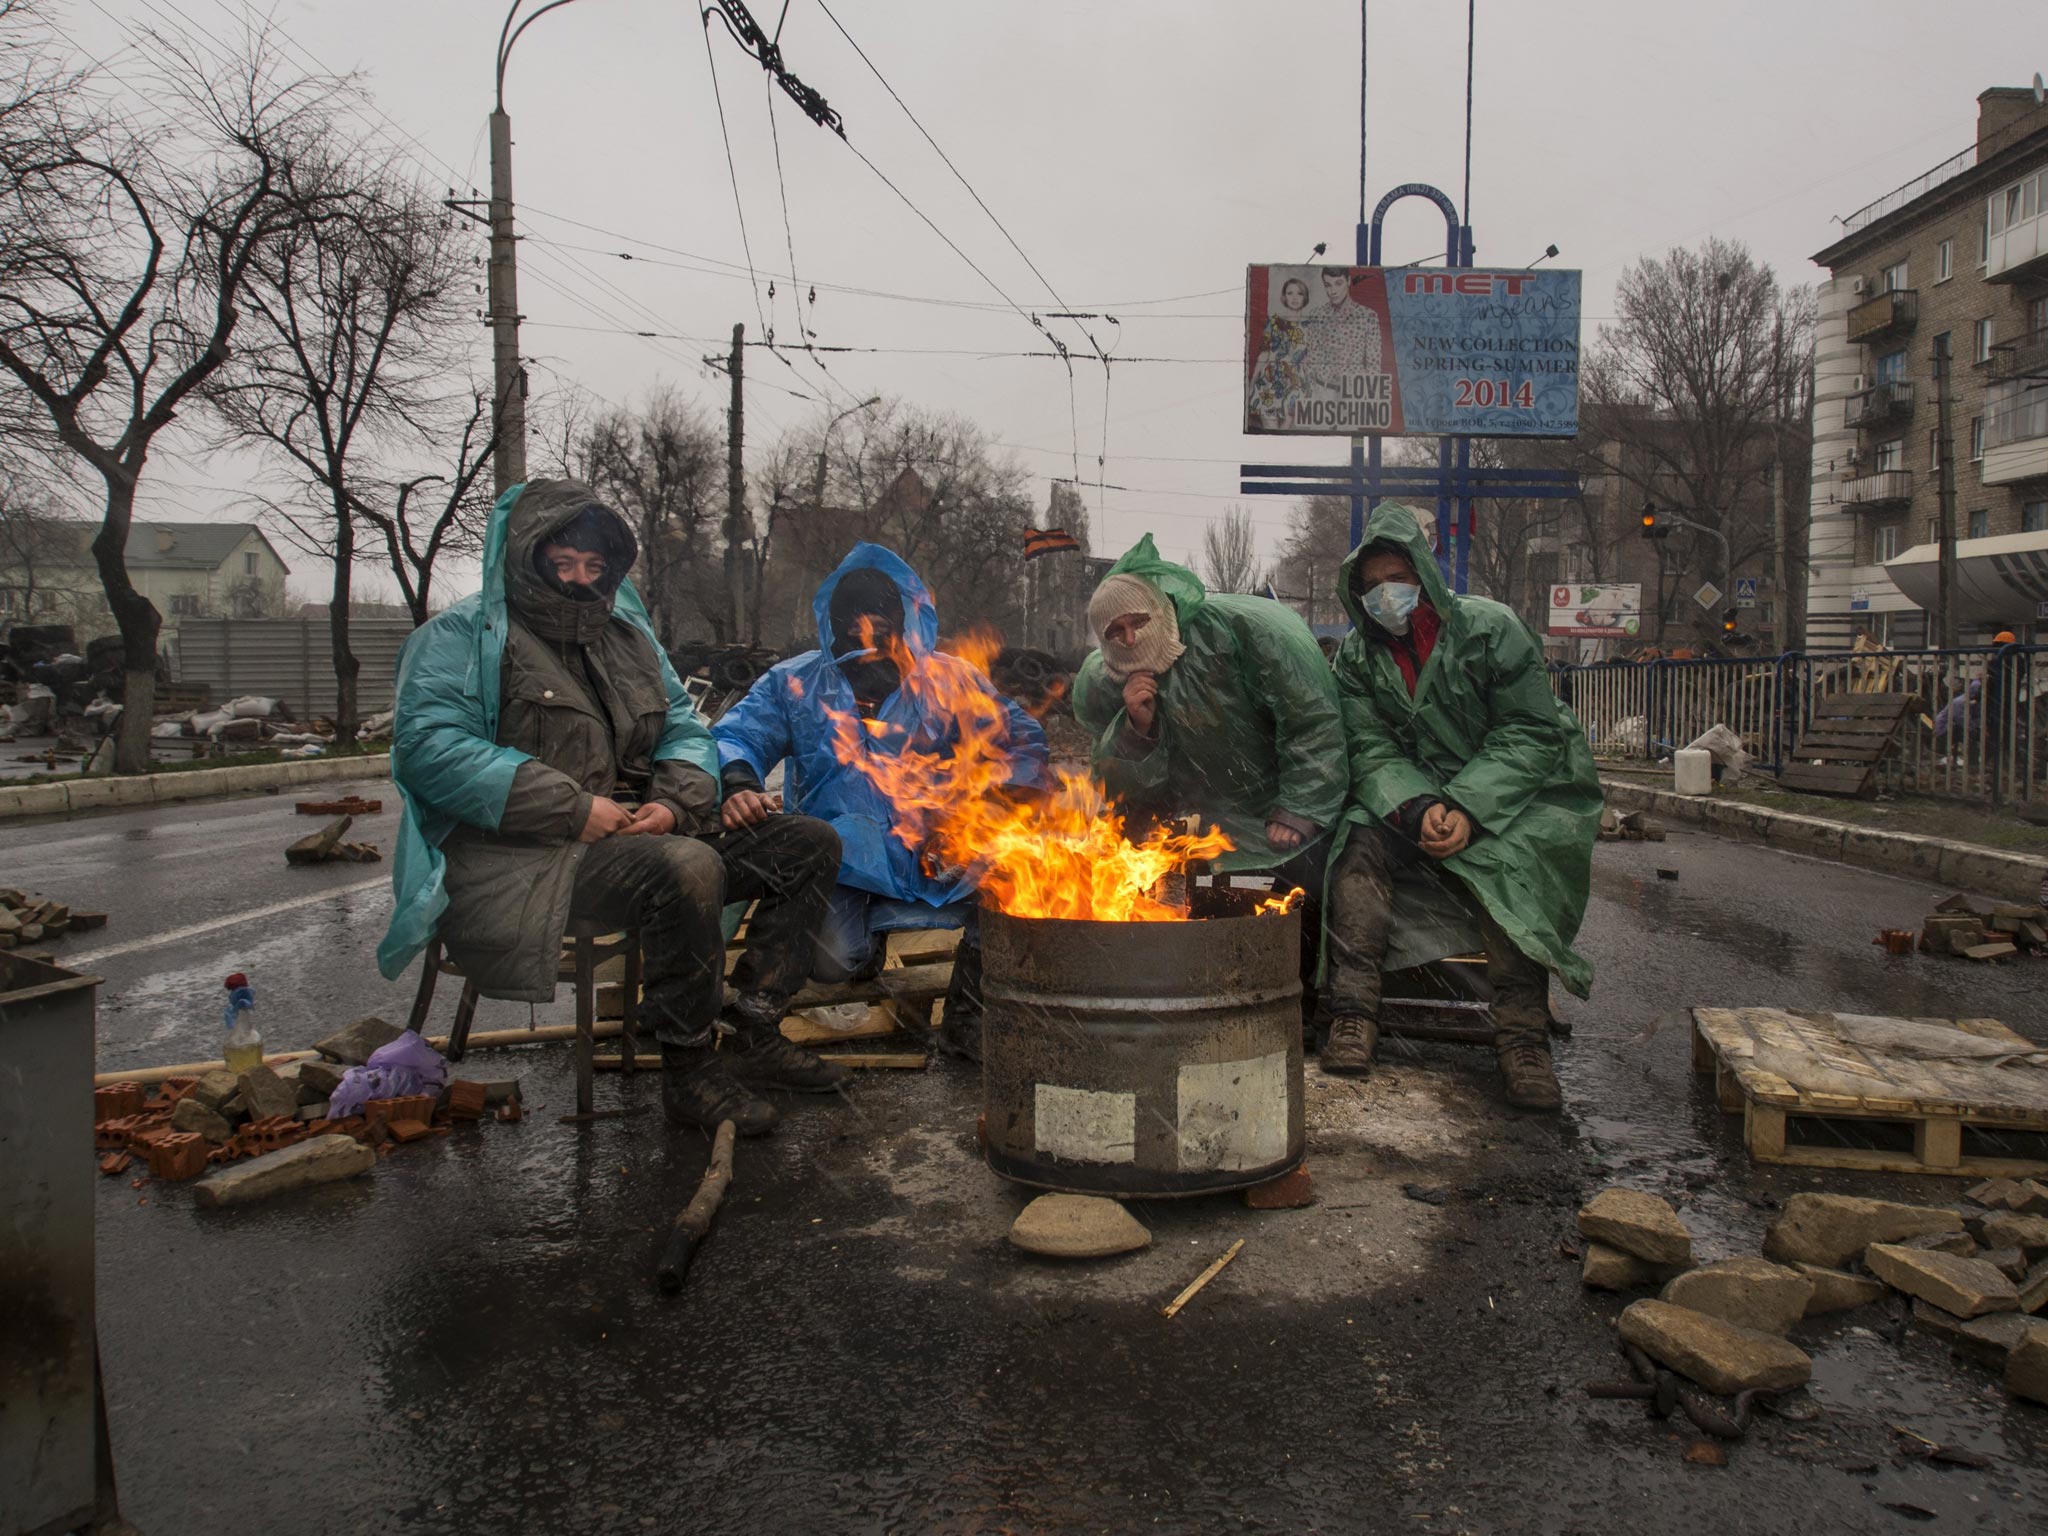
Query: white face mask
{"x":1390,"y":603}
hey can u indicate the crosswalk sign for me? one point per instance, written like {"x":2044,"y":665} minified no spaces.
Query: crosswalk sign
{"x":1745,"y":592}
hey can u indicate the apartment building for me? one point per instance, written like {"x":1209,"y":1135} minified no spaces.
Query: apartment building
{"x":1953,"y":263}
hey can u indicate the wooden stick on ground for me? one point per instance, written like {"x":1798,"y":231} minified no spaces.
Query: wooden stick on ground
{"x":1201,"y":1280}
{"x":695,"y":1220}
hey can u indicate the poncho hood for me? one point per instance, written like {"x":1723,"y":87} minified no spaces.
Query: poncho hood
{"x":1396,"y":523}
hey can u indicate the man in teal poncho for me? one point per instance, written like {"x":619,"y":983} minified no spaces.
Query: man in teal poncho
{"x":1467,"y":770}
{"x":552,"y":767}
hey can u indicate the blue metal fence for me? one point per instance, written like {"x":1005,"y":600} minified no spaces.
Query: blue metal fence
{"x":1977,"y":729}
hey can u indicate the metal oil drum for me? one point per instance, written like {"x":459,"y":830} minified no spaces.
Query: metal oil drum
{"x":1149,"y":1059}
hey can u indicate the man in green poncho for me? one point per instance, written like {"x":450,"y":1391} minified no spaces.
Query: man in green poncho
{"x":1464,"y":763}
{"x":1218,"y":704}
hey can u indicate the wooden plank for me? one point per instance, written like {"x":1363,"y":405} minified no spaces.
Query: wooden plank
{"x":1878,"y":1160}
{"x":800,"y":1029}
{"x":1938,"y":1144}
{"x":907,"y":1061}
{"x":1825,"y":780}
{"x":1763,"y":1131}
{"x":910,"y":984}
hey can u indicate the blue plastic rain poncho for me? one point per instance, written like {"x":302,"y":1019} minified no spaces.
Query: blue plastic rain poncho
{"x":785,"y":716}
{"x":445,"y":761}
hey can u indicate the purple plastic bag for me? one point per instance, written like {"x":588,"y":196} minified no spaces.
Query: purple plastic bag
{"x":406,"y":1065}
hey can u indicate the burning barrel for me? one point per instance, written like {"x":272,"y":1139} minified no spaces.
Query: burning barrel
{"x":1144,"y":1058}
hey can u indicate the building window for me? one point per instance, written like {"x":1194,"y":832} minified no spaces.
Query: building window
{"x":1887,"y":543}
{"x":1933,"y":530}
{"x":1983,"y":350}
{"x":185,"y":604}
{"x":1894,"y":278}
{"x":1933,"y":449}
{"x":1891,"y":367}
{"x":2037,"y":317}
{"x":2034,"y":517}
{"x":1944,"y":261}
{"x":1891,"y":455}
{"x":249,"y":563}
{"x":1976,"y":439}
{"x":1980,"y":523}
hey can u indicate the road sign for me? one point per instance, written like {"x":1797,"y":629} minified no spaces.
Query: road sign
{"x":1745,"y":591}
{"x":1385,"y":351}
{"x":1609,"y":612}
{"x":1707,"y":595}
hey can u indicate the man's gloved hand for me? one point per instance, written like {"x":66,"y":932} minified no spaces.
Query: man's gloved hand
{"x":1445,"y":830}
{"x":606,"y":818}
{"x":748,"y":808}
{"x":1141,"y":701}
{"x":1282,"y":837}
{"x":651,"y":821}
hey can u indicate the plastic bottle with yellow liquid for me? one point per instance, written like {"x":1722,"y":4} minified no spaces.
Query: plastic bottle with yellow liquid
{"x":244,"y":1044}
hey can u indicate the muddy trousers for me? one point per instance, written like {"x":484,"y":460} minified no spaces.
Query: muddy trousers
{"x":674,"y":890}
{"x":1358,"y":916}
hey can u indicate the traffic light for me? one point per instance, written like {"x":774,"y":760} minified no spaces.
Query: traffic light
{"x":1728,"y":618}
{"x":1652,"y":529}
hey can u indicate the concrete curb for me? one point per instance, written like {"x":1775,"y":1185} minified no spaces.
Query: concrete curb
{"x":1986,"y":871}
{"x":22,"y":802}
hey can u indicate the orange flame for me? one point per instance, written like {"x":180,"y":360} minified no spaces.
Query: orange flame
{"x":1064,"y":854}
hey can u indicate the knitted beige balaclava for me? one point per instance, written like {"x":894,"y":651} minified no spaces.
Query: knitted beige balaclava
{"x":1158,"y":644}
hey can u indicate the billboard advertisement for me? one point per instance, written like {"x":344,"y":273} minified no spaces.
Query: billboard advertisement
{"x":1610,"y":612}
{"x":1428,"y":351}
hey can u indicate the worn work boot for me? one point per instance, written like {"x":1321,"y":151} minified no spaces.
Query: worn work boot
{"x":1352,"y":1040}
{"x":696,"y":1089}
{"x":1530,"y":1081}
{"x":760,"y":1056}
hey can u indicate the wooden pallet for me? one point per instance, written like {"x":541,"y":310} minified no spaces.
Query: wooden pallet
{"x":1846,"y":734}
{"x":1777,"y":1065}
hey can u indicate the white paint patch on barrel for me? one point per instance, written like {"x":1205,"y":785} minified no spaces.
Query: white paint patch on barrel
{"x":1233,"y":1114}
{"x":1085,"y":1125}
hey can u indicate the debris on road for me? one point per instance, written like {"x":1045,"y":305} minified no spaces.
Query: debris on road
{"x":1965,"y":927}
{"x":1832,"y":1231}
{"x":1290,"y":1192}
{"x":326,"y":847}
{"x":1638,"y":1224}
{"x":348,"y":805}
{"x":26,"y":918}
{"x":694,"y":1222}
{"x":1633,"y":827}
{"x":319,"y":1160}
{"x":1749,"y":1292}
{"x":1172,"y":1308}
{"x":1077,"y":1227}
{"x":354,"y":1044}
{"x":1718,"y":1355}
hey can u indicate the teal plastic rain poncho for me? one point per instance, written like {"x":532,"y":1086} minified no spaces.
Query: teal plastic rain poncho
{"x":445,"y":761}
{"x":1485,"y":732}
{"x":784,"y":717}
{"x":1248,"y":718}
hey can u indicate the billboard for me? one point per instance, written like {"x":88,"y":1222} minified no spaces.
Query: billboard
{"x":1610,"y":612}
{"x":1429,"y":351}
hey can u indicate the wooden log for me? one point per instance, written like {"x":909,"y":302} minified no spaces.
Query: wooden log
{"x":546,"y":1034}
{"x":1201,"y":1280}
{"x":695,"y":1221}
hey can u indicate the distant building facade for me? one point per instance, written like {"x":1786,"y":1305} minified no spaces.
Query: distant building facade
{"x":188,"y":570}
{"x":1956,"y":258}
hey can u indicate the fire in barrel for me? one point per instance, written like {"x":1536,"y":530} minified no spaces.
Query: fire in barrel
{"x":1142,"y":1036}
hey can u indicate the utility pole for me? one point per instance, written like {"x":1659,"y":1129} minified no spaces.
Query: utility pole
{"x":508,"y":379}
{"x":1945,"y":491}
{"x":1781,"y":592}
{"x":735,"y":476}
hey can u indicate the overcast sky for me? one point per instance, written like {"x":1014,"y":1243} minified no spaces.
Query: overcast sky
{"x":1141,"y":152}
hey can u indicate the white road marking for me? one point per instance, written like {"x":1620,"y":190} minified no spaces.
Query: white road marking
{"x":172,"y":936}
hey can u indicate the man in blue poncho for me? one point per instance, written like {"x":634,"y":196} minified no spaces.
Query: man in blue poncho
{"x":552,"y":767}
{"x":877,"y":663}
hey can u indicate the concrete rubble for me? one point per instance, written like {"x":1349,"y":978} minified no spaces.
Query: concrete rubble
{"x":1966,"y":1287}
{"x":353,"y":1045}
{"x":1609,"y":1269}
{"x":2026,"y":1368}
{"x":1077,"y":1227}
{"x":27,"y":918}
{"x":1964,"y":927}
{"x":1748,"y":1292}
{"x":1718,"y":1355}
{"x":1638,"y":1224}
{"x":320,"y":1160}
{"x":1836,"y":1290}
{"x":1830,"y":1230}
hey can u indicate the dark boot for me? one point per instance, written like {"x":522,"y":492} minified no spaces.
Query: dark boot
{"x":1349,"y":1048}
{"x":960,"y":1028}
{"x":758,"y":1054}
{"x":1526,"y":1072}
{"x":697,"y":1090}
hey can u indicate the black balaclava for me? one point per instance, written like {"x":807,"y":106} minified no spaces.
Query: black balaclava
{"x":867,"y":595}
{"x":593,"y":531}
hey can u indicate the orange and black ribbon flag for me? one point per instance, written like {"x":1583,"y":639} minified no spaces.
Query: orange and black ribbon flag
{"x":1048,"y":541}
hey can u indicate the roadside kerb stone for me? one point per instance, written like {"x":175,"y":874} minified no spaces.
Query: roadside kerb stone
{"x":1836,"y":1290}
{"x":1718,"y":1355}
{"x":1966,"y":1287}
{"x":1748,"y":1292}
{"x":28,"y":801}
{"x":1637,"y":1223}
{"x":1966,"y":866}
{"x":1830,"y":1230}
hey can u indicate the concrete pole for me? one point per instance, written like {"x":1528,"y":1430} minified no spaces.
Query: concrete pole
{"x":1945,"y":491}
{"x":508,"y":379}
{"x":735,"y":474}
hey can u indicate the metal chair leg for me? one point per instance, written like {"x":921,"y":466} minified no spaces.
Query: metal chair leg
{"x":465,"y":1015}
{"x":423,"y":999}
{"x":629,"y":1005}
{"x":586,"y":1022}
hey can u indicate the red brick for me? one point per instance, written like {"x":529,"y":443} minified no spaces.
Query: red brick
{"x":409,"y":1130}
{"x":116,"y":1101}
{"x":115,"y":1162}
{"x":178,"y":1155}
{"x":466,"y":1100}
{"x":1289,"y":1192}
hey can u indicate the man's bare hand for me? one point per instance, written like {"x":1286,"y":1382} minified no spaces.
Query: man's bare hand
{"x":748,"y":808}
{"x":1141,"y":700}
{"x":606,"y":817}
{"x":1282,"y":837}
{"x":650,"y":821}
{"x":1445,"y":831}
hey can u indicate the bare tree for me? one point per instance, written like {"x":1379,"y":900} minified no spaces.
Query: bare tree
{"x":1307,"y":571}
{"x":661,"y":465}
{"x":32,"y":537}
{"x":420,"y":526}
{"x":130,"y":237}
{"x":1229,"y":554}
{"x":355,"y":325}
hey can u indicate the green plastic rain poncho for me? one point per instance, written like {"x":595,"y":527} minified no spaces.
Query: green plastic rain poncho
{"x":450,"y":771}
{"x":1248,"y":718}
{"x":1484,"y":732}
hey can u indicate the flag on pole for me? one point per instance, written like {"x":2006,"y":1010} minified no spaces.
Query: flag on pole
{"x":1048,"y":541}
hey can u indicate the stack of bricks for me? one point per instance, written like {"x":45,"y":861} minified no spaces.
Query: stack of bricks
{"x":465,"y":1100}
{"x":417,"y":1107}
{"x":177,"y":1155}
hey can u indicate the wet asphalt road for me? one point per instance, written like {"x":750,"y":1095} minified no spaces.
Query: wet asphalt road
{"x":469,"y":1340}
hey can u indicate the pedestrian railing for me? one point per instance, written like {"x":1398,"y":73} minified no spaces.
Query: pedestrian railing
{"x":1977,"y":727}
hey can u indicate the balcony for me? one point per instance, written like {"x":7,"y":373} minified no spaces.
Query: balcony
{"x":2016,"y":435}
{"x":1881,"y":404}
{"x":2024,"y":357}
{"x":1885,"y":488}
{"x":2016,"y":229}
{"x":1891,"y":311}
